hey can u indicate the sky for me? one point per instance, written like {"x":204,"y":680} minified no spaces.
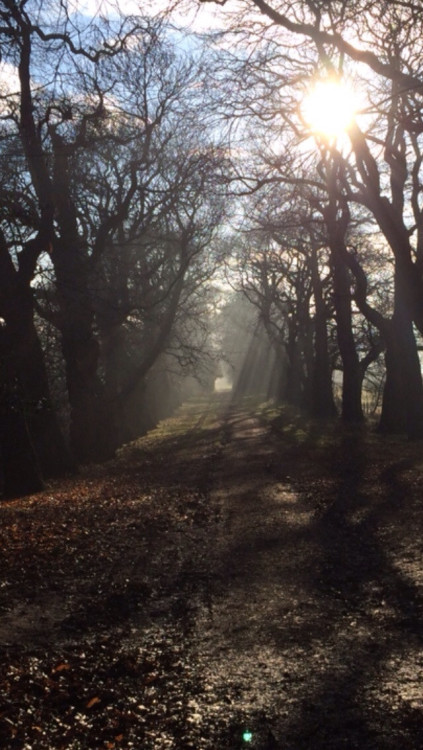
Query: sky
{"x":201,"y":16}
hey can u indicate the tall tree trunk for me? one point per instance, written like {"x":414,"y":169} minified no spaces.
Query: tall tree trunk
{"x":92,"y":429}
{"x":402,"y":406}
{"x":393,"y":416}
{"x":294,"y":388}
{"x":32,"y":445}
{"x":337,"y":217}
{"x":322,"y":398}
{"x":32,"y":442}
{"x":52,"y":452}
{"x":352,"y":410}
{"x":389,"y":214}
{"x":20,"y":470}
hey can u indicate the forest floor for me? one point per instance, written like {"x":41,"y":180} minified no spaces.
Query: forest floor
{"x":237,"y":578}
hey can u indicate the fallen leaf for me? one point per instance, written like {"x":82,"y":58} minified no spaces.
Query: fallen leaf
{"x":93,"y":701}
{"x":61,"y":667}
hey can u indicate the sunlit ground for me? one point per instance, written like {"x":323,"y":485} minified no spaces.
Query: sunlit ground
{"x":222,"y":384}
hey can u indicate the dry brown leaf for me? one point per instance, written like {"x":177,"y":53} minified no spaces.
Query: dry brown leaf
{"x":93,"y":701}
{"x":61,"y":667}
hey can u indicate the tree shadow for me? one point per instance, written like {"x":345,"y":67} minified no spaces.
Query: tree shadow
{"x":369,"y":613}
{"x":357,"y":612}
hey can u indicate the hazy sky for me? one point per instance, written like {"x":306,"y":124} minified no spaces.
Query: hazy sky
{"x":202,"y":16}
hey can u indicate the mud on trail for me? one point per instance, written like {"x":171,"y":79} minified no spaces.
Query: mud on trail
{"x":237,"y":578}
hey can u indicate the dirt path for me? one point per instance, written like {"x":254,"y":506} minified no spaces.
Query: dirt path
{"x":314,"y":638}
{"x":229,"y":582}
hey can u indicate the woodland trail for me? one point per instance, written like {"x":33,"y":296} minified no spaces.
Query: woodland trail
{"x":234,"y":579}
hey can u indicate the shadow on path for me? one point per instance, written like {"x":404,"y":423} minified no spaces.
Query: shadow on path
{"x":323,"y":600}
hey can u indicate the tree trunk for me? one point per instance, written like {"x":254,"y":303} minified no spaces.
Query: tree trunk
{"x":393,"y":415}
{"x":20,"y":469}
{"x":352,"y":410}
{"x":21,"y":474}
{"x":28,"y":371}
{"x":32,"y":442}
{"x":52,"y":452}
{"x":92,"y":429}
{"x":294,"y":390}
{"x":322,"y":399}
{"x":402,"y":406}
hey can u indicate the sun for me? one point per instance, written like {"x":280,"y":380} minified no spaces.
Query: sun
{"x":329,"y":108}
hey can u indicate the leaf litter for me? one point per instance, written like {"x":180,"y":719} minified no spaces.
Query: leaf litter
{"x":225,"y":582}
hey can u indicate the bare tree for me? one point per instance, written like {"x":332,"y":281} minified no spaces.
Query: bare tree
{"x":381,"y":169}
{"x":113,"y":162}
